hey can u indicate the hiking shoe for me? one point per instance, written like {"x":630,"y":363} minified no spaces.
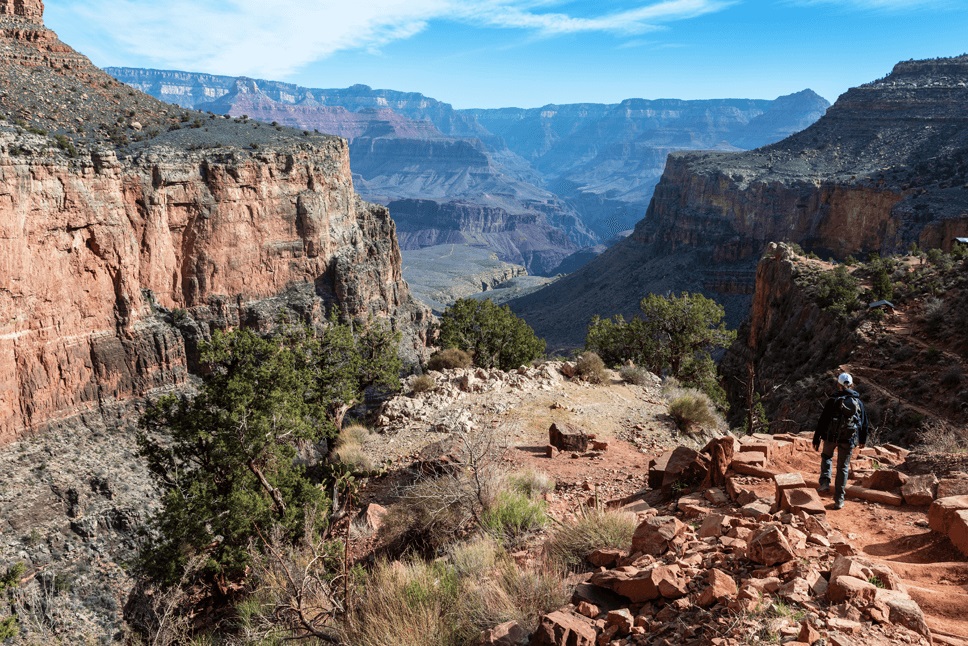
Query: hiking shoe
{"x":823,"y":488}
{"x":839,"y":504}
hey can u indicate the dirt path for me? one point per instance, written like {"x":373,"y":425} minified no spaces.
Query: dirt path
{"x":934,"y":571}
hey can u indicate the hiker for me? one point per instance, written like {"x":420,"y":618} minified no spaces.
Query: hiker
{"x":842,"y":426}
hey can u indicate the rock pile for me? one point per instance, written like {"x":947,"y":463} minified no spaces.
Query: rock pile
{"x":451,"y":387}
{"x":753,"y":562}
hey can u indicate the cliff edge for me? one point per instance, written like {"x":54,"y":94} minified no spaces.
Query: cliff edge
{"x":130,"y":228}
{"x":886,"y":166}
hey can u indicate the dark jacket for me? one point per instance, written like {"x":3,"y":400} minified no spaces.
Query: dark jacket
{"x":830,"y":408}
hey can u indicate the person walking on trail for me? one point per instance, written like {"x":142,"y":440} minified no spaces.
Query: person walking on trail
{"x":842,"y":426}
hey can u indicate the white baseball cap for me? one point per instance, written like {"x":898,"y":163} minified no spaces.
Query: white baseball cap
{"x":845,"y":379}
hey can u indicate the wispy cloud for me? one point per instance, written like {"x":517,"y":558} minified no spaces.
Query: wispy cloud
{"x":883,"y":5}
{"x":274,"y":39}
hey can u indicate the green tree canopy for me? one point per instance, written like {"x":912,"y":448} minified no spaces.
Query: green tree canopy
{"x":227,"y":457}
{"x":492,"y":333}
{"x":673,"y":335}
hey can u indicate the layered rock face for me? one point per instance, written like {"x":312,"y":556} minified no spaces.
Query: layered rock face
{"x":107,"y":240}
{"x":885,"y":167}
{"x":607,"y":159}
{"x":403,"y":146}
{"x":585,"y":169}
{"x":32,"y":10}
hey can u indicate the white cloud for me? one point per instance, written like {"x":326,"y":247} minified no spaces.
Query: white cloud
{"x":884,"y":5}
{"x":274,"y":39}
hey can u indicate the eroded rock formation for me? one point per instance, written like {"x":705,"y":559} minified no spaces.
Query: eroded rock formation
{"x":111,"y":233}
{"x":885,"y":167}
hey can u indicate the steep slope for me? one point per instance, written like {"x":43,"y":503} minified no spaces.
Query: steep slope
{"x":403,"y":146}
{"x":909,"y":364}
{"x":885,"y":167}
{"x":120,"y":215}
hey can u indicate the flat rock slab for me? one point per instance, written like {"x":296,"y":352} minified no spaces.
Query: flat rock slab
{"x":754,"y":458}
{"x":785,"y":481}
{"x":750,"y":470}
{"x":803,"y":499}
{"x":958,"y":530}
{"x":942,"y":512}
{"x":948,"y":487}
{"x":873,"y":495}
{"x":884,"y":480}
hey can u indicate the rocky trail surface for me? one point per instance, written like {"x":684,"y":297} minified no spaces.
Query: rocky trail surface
{"x":734,"y":544}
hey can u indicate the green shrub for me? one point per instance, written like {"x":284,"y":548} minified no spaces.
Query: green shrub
{"x":449,"y":359}
{"x":491,"y":333}
{"x":837,"y":291}
{"x":512,"y":515}
{"x":422,"y":384}
{"x":674,"y":335}
{"x":692,"y":408}
{"x":591,"y":368}
{"x":225,"y":457}
{"x":571,"y":542}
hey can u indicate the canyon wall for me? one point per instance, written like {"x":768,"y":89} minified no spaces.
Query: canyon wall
{"x":119,"y":252}
{"x":886,"y":167}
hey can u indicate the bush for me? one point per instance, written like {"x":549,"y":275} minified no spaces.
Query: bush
{"x":422,"y":384}
{"x":512,"y":515}
{"x":636,"y":375}
{"x":693,"y":408}
{"x":837,"y":290}
{"x":449,"y":359}
{"x":591,"y":368}
{"x":492,"y":334}
{"x":226,"y":458}
{"x":439,"y":604}
{"x":674,"y":335}
{"x":571,"y":542}
{"x":430,"y":515}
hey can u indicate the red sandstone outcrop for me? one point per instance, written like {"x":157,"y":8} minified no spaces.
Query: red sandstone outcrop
{"x":97,"y":250}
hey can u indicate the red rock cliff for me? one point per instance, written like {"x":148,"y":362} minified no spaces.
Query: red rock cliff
{"x":97,"y":251}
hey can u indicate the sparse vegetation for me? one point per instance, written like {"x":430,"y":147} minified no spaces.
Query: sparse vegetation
{"x":837,"y":291}
{"x":691,"y":409}
{"x":674,"y":335}
{"x":595,"y":529}
{"x":513,"y":514}
{"x":449,"y":359}
{"x":591,"y":368}
{"x":635,"y":375}
{"x":422,"y":384}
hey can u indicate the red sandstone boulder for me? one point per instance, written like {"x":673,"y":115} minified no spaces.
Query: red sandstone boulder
{"x":567,"y":437}
{"x":655,"y":535}
{"x":564,"y":629}
{"x":721,"y":588}
{"x":769,"y":547}
{"x":920,"y":490}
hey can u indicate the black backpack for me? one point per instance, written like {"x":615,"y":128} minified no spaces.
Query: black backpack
{"x":846,"y":420}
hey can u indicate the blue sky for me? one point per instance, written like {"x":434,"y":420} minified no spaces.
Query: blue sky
{"x":524,"y":53}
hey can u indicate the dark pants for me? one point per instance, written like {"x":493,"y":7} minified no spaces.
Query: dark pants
{"x":843,"y":467}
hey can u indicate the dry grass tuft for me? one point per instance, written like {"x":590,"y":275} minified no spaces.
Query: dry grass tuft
{"x":594,"y":530}
{"x":422,"y":384}
{"x":449,"y":359}
{"x":591,"y":368}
